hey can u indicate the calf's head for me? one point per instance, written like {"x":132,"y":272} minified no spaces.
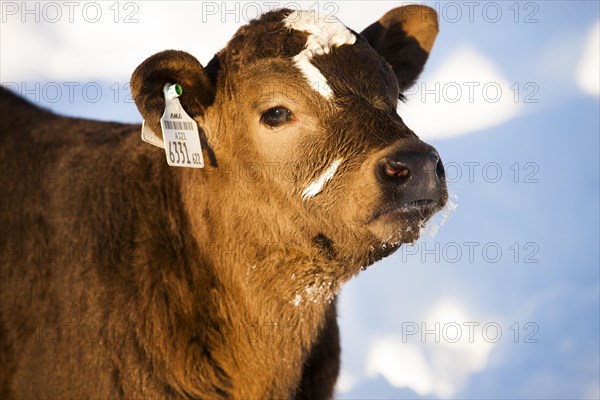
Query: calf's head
{"x":297,"y":116}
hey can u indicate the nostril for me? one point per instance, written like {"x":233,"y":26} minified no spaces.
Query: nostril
{"x":397,"y":170}
{"x":439,"y":170}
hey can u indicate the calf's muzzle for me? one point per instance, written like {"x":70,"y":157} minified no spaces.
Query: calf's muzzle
{"x":413,"y":177}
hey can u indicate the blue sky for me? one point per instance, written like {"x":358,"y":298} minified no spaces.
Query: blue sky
{"x":533,"y":194}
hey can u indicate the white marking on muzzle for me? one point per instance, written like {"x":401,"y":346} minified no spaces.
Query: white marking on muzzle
{"x":317,"y":185}
{"x":325,"y":32}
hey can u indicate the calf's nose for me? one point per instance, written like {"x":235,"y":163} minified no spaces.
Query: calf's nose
{"x":413,"y":176}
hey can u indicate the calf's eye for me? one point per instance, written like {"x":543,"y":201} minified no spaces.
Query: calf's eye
{"x":276,"y":116}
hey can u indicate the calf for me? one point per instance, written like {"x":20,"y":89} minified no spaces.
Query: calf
{"x":129,"y":278}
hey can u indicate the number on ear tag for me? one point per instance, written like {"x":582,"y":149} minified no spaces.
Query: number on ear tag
{"x":180,"y":132}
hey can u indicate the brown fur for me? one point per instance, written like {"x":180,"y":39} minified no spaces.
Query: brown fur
{"x":123,"y":277}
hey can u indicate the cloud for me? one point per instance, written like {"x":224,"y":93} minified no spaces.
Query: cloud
{"x":437,"y":358}
{"x":102,"y":40}
{"x":403,"y":365}
{"x":588,"y":70}
{"x":465,"y":94}
{"x":346,"y":381}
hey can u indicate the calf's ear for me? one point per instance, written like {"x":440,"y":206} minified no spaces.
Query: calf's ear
{"x":404,"y":36}
{"x":170,"y":66}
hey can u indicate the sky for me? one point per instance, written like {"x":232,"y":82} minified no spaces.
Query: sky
{"x":500,"y":298}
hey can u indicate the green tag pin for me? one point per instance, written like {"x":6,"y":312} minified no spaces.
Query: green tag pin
{"x":174,"y":91}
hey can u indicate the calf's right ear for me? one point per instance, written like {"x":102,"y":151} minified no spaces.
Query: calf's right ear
{"x":170,"y":66}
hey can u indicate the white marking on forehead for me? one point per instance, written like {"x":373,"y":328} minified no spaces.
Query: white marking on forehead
{"x":317,"y":185}
{"x":325,"y":32}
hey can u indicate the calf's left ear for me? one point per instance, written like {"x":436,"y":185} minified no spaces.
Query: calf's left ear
{"x":171,"y":66}
{"x":404,"y":36}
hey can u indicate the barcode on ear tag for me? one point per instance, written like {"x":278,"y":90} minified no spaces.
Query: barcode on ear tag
{"x":180,"y":135}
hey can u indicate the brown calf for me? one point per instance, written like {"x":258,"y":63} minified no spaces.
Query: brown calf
{"x":128,"y":278}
